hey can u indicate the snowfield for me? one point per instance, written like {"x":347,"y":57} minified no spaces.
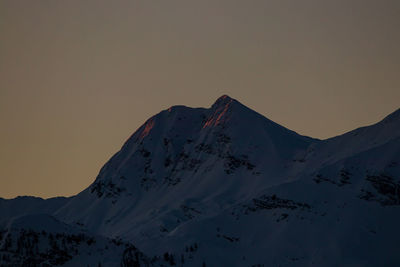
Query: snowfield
{"x":222,"y":186}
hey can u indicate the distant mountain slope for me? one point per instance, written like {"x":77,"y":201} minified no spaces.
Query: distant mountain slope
{"x":226,"y":186}
{"x":358,"y":140}
{"x":29,"y":205}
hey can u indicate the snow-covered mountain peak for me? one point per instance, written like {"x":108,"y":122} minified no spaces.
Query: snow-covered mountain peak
{"x":220,"y":186}
{"x":220,"y":111}
{"x":222,"y":101}
{"x":227,"y":102}
{"x":195,"y":153}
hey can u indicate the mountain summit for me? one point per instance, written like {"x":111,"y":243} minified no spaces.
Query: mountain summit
{"x":225,"y":186}
{"x":223,"y":154}
{"x":183,"y":143}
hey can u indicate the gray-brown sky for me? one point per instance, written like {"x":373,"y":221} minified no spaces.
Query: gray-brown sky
{"x":78,"y":77}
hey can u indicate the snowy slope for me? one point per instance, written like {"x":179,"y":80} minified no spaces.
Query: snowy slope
{"x":183,"y":157}
{"x":226,"y":186}
{"x":42,"y":240}
{"x":358,"y":140}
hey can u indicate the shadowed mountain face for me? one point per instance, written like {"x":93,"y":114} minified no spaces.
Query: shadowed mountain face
{"x":182,"y":144}
{"x":226,"y":186}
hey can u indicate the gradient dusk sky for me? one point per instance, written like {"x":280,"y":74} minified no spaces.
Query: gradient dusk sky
{"x":77,"y":78}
